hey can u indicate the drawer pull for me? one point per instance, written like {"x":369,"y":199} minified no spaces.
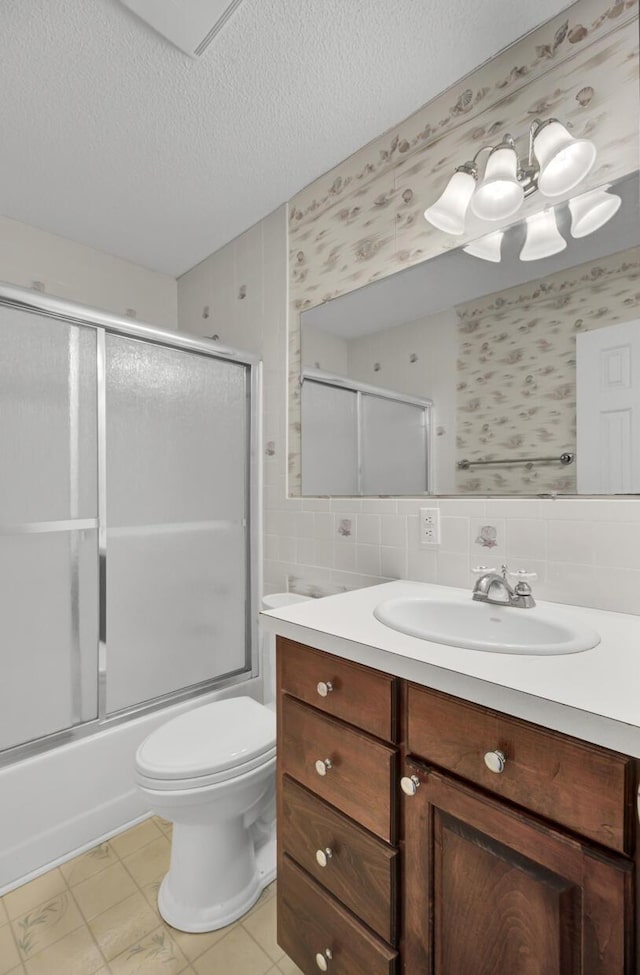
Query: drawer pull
{"x":324,"y":687}
{"x":409,"y":784}
{"x":323,"y":958}
{"x":322,"y":767}
{"x":323,"y":856}
{"x":495,"y":761}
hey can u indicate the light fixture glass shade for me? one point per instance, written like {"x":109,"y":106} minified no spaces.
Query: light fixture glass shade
{"x":449,"y":211}
{"x":499,"y":194}
{"x":543,"y":237}
{"x":563,"y":160}
{"x":591,"y":210}
{"x":488,"y":247}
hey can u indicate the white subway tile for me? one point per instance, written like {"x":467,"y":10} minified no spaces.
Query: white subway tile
{"x":453,"y":570}
{"x":620,"y":592}
{"x":462,"y":507}
{"x":306,"y":551}
{"x":304,"y":524}
{"x":393,"y":562}
{"x":344,"y":557}
{"x":616,"y":544}
{"x":368,"y":559}
{"x":570,"y":582}
{"x":286,"y":549}
{"x":348,"y":505}
{"x":454,"y":534}
{"x":411,"y":506}
{"x":526,"y":539}
{"x":512,"y":507}
{"x":422,"y":565}
{"x":323,"y":524}
{"x":570,"y":541}
{"x":316,"y":504}
{"x":324,"y":552}
{"x":394,"y":530}
{"x":368,"y":529}
{"x":379,"y":506}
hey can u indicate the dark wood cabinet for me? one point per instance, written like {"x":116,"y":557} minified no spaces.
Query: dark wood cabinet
{"x":489,"y":890}
{"x":338,"y":879}
{"x":438,"y":837}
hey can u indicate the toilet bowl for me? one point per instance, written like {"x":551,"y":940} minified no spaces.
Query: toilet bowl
{"x":211,"y":772}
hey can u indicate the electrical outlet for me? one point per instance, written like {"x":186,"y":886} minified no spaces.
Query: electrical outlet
{"x":429,"y":522}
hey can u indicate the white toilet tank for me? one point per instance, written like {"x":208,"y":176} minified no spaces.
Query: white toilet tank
{"x":273,"y":600}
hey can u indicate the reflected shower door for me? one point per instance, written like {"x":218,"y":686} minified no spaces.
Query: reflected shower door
{"x":48,"y":526}
{"x":394,"y":445}
{"x":176,"y":519}
{"x":330,"y":444}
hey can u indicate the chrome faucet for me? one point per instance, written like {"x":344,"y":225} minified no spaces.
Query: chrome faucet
{"x":494,"y":587}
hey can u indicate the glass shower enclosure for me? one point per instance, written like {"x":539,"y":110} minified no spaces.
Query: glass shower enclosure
{"x":128,"y":519}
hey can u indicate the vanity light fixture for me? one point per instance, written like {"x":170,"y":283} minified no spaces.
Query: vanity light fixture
{"x":591,"y":210}
{"x":588,"y":212}
{"x":543,"y":237}
{"x":500,"y":194}
{"x":556,"y":162}
{"x":488,"y":247}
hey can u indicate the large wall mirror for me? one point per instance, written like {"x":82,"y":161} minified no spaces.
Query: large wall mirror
{"x":469,"y":376}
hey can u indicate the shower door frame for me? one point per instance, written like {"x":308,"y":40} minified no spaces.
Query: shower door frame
{"x":72,"y":313}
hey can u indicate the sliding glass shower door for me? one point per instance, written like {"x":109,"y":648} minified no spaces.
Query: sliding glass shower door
{"x":127,"y":513}
{"x":176,"y":490}
{"x":48,"y":527}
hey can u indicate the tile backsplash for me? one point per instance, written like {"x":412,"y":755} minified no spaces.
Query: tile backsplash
{"x":585,"y":552}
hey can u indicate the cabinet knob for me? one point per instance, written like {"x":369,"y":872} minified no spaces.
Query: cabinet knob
{"x":324,"y":687}
{"x":323,"y":958}
{"x":322,"y":767}
{"x":495,"y":761}
{"x":409,"y":784}
{"x":323,"y":856}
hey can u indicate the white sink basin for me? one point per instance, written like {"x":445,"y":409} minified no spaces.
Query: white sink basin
{"x":482,"y":626}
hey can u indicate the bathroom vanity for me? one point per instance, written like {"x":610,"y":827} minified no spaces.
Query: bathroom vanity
{"x":435,"y":816}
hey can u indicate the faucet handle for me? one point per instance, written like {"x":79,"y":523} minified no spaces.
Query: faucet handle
{"x":522,"y":575}
{"x":481,"y":570}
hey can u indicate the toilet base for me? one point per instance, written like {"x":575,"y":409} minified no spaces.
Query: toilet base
{"x":177,"y":904}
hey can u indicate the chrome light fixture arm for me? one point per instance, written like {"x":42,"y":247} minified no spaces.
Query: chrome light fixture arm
{"x":555,"y":163}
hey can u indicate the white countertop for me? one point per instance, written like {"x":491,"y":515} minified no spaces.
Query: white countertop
{"x":594,"y":695}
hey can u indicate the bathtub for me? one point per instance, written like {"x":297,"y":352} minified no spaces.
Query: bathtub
{"x":62,"y":802}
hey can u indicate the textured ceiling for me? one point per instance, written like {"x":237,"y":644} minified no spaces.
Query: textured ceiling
{"x":113,"y":138}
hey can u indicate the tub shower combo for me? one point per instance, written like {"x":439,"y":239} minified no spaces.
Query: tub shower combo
{"x":128,"y":515}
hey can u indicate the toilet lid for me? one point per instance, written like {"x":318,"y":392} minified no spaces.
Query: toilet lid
{"x":211,"y":738}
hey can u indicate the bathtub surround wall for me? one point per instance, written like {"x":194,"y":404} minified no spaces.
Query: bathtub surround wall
{"x":586,"y":551}
{"x":33,"y":258}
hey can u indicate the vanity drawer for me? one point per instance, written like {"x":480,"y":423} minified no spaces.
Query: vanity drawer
{"x":583,"y":787}
{"x":359,"y":870}
{"x":363,"y":697}
{"x":360,"y":777}
{"x":310,"y":922}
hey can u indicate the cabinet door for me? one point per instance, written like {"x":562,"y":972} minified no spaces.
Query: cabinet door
{"x":491,"y":891}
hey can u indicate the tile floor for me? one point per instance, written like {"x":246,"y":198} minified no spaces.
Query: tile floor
{"x":97,"y":915}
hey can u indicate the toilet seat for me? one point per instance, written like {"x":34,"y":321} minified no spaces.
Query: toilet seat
{"x":209,"y":744}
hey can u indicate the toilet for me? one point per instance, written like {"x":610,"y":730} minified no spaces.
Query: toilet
{"x":211,"y":772}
